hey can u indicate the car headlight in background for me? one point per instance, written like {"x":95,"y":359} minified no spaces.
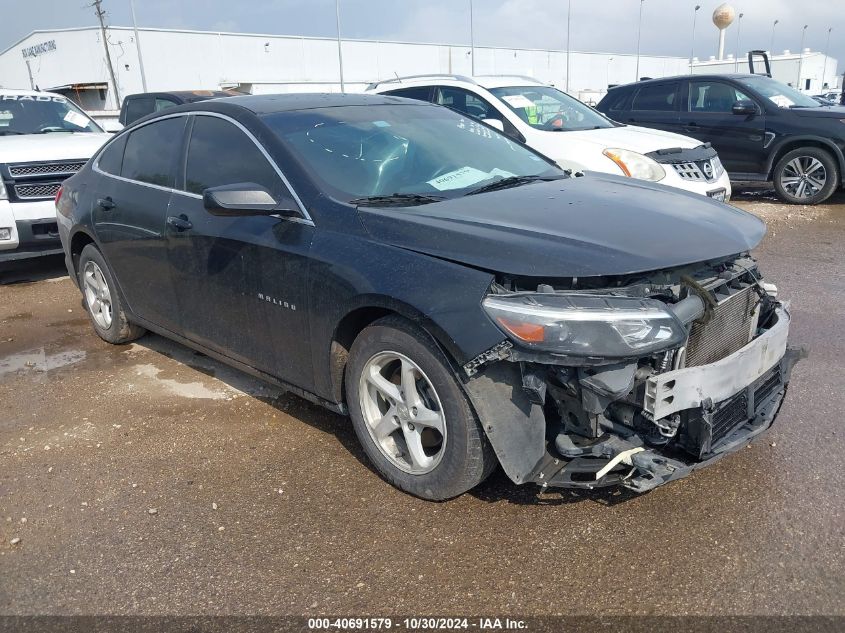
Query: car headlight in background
{"x":718,"y":168}
{"x":3,"y":194}
{"x":586,"y":325}
{"x":636,"y":165}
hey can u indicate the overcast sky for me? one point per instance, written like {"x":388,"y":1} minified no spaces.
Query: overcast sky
{"x":607,"y":25}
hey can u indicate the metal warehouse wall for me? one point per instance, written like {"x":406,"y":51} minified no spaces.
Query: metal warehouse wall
{"x":266,"y":63}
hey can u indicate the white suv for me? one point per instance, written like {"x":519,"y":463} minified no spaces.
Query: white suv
{"x":44,"y":138}
{"x":570,"y":132}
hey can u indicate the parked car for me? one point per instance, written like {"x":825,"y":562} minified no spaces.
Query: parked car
{"x":462,"y":298}
{"x":569,"y":132}
{"x":762,"y":129}
{"x":44,"y":138}
{"x":140,"y":105}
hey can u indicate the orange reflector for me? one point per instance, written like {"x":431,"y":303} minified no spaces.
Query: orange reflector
{"x":528,"y":332}
{"x":616,"y":159}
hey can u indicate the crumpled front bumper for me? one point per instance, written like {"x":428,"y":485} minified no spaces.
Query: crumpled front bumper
{"x":725,"y":406}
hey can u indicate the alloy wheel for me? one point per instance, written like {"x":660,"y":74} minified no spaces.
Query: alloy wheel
{"x":804,"y":177}
{"x":402,"y":412}
{"x":97,"y":295}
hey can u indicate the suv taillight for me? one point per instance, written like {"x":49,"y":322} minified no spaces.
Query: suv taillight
{"x":58,"y":195}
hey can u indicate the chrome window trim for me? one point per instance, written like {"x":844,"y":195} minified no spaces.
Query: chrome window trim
{"x":306,"y":219}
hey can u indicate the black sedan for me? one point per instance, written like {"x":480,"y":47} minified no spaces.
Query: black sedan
{"x":465,"y":301}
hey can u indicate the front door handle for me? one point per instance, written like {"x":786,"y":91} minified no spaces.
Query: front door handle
{"x":180,"y":223}
{"x":106,"y":204}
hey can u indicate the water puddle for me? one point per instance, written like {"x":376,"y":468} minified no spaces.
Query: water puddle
{"x":39,"y":360}
{"x":183,"y":389}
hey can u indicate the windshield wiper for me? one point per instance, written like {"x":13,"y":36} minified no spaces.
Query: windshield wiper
{"x":510,"y":181}
{"x":51,"y":131}
{"x":10,"y":132}
{"x":395,"y":199}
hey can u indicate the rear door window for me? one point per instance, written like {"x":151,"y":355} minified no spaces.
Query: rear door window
{"x":466,"y":102}
{"x":137,"y":108}
{"x":420,"y":93}
{"x":221,"y":154}
{"x":656,"y":98}
{"x":151,"y":152}
{"x":111,"y":158}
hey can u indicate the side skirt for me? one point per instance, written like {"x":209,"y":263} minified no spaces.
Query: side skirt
{"x":247,"y":369}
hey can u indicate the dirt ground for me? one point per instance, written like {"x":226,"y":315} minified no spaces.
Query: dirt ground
{"x":148,"y":479}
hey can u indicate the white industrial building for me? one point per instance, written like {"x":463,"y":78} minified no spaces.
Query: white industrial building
{"x":73,"y":62}
{"x":810,"y":72}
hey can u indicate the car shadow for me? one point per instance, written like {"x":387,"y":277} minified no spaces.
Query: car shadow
{"x":498,"y":488}
{"x":27,"y":271}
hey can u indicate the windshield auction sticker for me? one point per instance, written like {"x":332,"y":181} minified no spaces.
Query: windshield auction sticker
{"x":465,"y":177}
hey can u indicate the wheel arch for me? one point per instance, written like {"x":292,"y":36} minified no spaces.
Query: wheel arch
{"x":791,"y":143}
{"x":77,"y":242}
{"x":366,"y":311}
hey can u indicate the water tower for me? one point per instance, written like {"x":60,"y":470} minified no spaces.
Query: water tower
{"x":723,"y":16}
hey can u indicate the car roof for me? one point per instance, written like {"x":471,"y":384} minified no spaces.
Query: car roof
{"x":269,"y":104}
{"x":645,"y":82}
{"x":185,"y":95}
{"x":29,"y":93}
{"x":484,"y":81}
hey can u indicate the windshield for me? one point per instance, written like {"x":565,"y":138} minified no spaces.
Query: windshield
{"x":547,"y":108}
{"x":422,"y":150}
{"x":780,"y":94}
{"x":42,"y":114}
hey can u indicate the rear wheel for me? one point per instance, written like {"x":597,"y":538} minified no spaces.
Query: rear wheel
{"x":807,"y":175}
{"x":411,"y":414}
{"x":102,"y":300}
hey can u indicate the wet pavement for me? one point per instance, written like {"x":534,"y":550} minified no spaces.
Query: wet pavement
{"x":149,"y":479}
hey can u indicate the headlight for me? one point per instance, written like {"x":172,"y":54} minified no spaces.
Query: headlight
{"x":586,"y":325}
{"x":3,"y":194}
{"x":718,"y":168}
{"x":636,"y":165}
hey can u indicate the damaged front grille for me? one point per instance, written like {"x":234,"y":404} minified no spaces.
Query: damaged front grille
{"x":730,"y":327}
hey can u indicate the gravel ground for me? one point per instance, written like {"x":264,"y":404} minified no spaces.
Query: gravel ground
{"x":148,"y":479}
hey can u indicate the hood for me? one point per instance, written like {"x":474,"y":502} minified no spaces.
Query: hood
{"x":597,"y":225}
{"x":637,"y":139}
{"x":822,"y":112}
{"x":48,"y":147}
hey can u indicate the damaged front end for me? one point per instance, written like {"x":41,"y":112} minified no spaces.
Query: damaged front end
{"x":631,"y":381}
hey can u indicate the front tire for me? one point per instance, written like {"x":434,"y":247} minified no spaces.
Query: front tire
{"x":102,"y":300}
{"x":807,"y":175}
{"x":411,"y":414}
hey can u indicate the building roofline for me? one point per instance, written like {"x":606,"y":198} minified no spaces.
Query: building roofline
{"x":331,"y":39}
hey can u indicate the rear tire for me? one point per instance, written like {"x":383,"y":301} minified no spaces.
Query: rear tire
{"x":411,"y":415}
{"x":807,"y":175}
{"x":102,"y":300}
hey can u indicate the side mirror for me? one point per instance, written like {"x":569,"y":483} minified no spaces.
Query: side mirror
{"x":745,"y":107}
{"x":496,"y":123}
{"x":242,"y":199}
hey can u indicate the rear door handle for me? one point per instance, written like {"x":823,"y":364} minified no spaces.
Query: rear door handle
{"x":180,"y":223}
{"x":106,"y":203}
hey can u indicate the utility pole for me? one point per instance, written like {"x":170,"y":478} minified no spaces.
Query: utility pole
{"x":101,"y":15}
{"x":772,"y":45}
{"x":138,"y":46}
{"x":568,"y":45}
{"x":801,"y":56}
{"x":738,"y":30}
{"x":339,"y":47}
{"x":692,"y":50}
{"x":826,"y":51}
{"x":639,"y":32}
{"x":471,"y":39}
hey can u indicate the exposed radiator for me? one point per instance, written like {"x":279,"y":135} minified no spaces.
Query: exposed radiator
{"x":730,"y":327}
